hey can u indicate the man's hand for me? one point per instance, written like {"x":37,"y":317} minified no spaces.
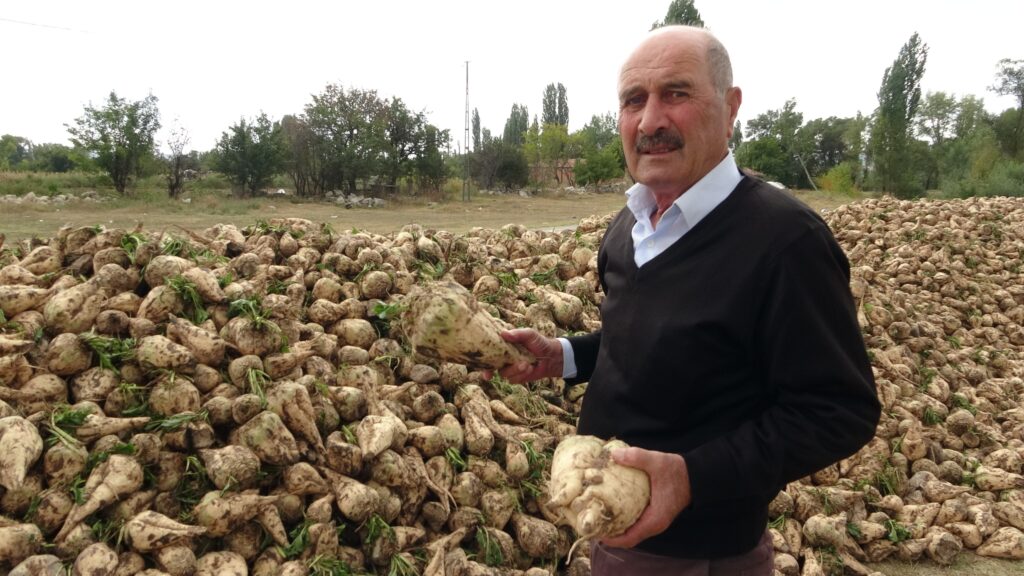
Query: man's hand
{"x":547,"y":351}
{"x":670,"y":493}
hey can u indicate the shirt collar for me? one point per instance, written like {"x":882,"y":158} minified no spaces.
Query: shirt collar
{"x":695,"y":203}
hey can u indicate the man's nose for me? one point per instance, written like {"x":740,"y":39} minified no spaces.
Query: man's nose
{"x":653,"y":117}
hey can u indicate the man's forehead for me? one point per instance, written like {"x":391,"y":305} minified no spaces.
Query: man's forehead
{"x":680,"y":70}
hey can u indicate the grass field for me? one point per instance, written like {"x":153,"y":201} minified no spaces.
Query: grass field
{"x":207,"y":207}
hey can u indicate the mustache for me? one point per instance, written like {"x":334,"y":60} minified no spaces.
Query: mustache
{"x":660,"y":139}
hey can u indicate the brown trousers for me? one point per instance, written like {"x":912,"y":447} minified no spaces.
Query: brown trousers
{"x":605,"y":561}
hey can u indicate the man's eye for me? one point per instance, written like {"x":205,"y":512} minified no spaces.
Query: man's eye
{"x":633,"y":101}
{"x":678,"y":95}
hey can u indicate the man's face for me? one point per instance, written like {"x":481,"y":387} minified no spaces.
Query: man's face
{"x":674,"y":124}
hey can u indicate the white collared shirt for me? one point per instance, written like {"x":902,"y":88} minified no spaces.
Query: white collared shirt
{"x":690,"y":208}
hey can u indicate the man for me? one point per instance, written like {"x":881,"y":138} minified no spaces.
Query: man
{"x":730,"y":357}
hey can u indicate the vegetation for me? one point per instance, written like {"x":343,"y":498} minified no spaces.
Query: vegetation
{"x":250,"y":153}
{"x":680,"y":12}
{"x":354,"y":140}
{"x":118,"y":136}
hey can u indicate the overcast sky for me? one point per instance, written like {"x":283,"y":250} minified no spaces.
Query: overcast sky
{"x":212,"y":62}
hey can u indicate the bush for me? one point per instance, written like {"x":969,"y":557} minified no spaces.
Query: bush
{"x":598,"y":166}
{"x":1006,"y":178}
{"x":839,"y":179}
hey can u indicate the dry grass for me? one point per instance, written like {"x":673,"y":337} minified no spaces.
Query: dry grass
{"x":546,"y":210}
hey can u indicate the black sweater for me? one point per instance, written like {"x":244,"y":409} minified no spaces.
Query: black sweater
{"x":737,"y":347}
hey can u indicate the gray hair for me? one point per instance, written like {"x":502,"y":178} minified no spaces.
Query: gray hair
{"x":719,"y":64}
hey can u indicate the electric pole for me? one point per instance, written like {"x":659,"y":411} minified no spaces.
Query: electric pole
{"x":465,"y":157}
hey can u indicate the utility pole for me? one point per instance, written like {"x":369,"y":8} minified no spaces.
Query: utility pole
{"x":465,"y":157}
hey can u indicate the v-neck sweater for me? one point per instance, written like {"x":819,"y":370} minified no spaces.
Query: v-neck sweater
{"x":738,"y":348}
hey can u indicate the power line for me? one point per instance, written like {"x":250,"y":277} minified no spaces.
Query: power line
{"x":11,"y":20}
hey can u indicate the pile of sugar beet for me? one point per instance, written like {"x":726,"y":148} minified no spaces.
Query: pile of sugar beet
{"x":248,"y":401}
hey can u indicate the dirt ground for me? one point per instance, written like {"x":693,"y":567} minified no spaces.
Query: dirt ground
{"x":546,"y":210}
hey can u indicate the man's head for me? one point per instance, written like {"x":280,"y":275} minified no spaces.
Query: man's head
{"x":677,"y":106}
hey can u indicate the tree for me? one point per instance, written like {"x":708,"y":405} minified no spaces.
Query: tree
{"x":680,"y":12}
{"x":601,"y":131}
{"x":431,"y":172}
{"x":784,"y":162}
{"x":349,"y":135}
{"x":511,"y":169}
{"x":250,"y":153}
{"x":562,"y":106}
{"x":118,"y":136}
{"x":892,"y":130}
{"x":599,"y":165}
{"x":1010,"y":82}
{"x":516,"y":126}
{"x":737,"y":137}
{"x":176,"y":161}
{"x":765,"y":155}
{"x":57,"y":158}
{"x":531,"y":146}
{"x":555,"y":105}
{"x":936,"y":118}
{"x":476,"y":131}
{"x":302,"y":158}
{"x":15,"y":151}
{"x":556,"y":148}
{"x":403,"y":131}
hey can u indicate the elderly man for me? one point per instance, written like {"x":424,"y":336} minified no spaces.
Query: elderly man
{"x":730,"y":357}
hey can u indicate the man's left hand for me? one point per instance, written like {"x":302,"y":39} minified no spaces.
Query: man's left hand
{"x":670,"y":493}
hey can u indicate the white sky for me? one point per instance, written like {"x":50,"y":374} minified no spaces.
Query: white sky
{"x":211,"y":62}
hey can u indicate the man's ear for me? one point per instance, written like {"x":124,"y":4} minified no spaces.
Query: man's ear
{"x":733,"y":99}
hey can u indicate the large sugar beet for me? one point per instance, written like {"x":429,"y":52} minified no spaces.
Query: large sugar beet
{"x":443,"y":321}
{"x":596,"y":496}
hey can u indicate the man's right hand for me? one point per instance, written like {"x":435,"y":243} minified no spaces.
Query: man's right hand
{"x":547,"y":351}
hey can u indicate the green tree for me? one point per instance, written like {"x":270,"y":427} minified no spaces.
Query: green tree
{"x":430,"y":169}
{"x":784,"y":162}
{"x":251,"y":153}
{"x":511,"y":170}
{"x":601,"y":131}
{"x":516,"y":125}
{"x":970,"y":115}
{"x":1010,"y":82}
{"x":826,"y":142}
{"x":57,"y":158}
{"x":562,"y":106}
{"x":892,"y":130}
{"x":599,"y":165}
{"x":557,"y":147}
{"x":936,"y":117}
{"x":854,"y":137}
{"x":765,"y":155}
{"x":402,"y":137}
{"x":531,"y":146}
{"x":1007,"y":131}
{"x":476,"y":130}
{"x":349,"y":133}
{"x":737,"y":137}
{"x":936,"y":120}
{"x":15,"y":152}
{"x":118,"y":136}
{"x":555,"y":105}
{"x":680,"y":12}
